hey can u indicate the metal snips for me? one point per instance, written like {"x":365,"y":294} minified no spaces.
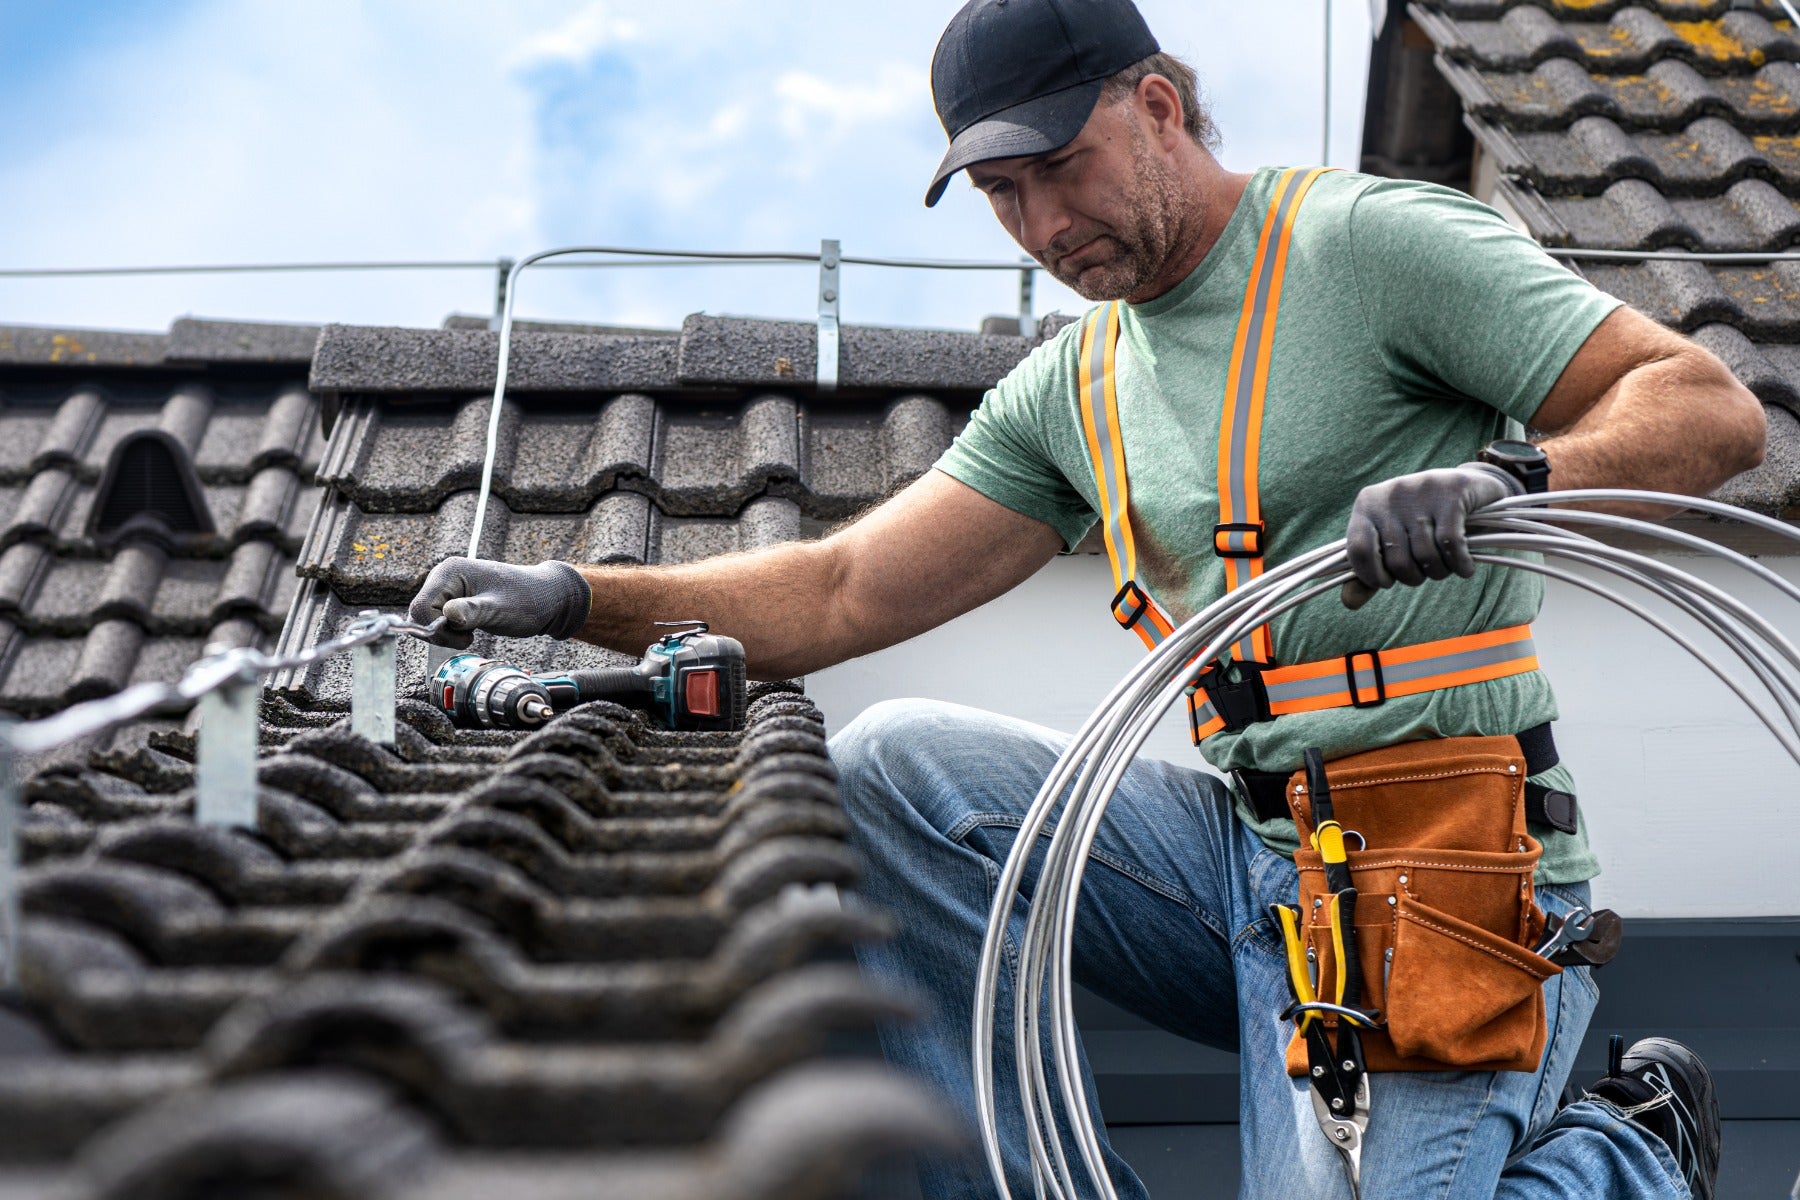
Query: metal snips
{"x":1346,"y":1133}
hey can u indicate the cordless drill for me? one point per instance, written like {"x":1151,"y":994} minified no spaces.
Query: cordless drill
{"x":690,"y":680}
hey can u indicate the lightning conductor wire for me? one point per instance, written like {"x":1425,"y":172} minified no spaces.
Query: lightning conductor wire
{"x":1058,"y":889}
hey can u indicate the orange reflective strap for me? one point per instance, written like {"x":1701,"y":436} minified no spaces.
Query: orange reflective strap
{"x":1239,"y":537}
{"x":1369,"y":677}
{"x":1132,"y":606}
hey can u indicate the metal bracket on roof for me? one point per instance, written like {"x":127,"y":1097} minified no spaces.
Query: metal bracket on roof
{"x":372,"y":677}
{"x":9,"y":868}
{"x":227,"y":757}
{"x":828,"y":315}
{"x":503,"y":267}
{"x":1028,"y":323}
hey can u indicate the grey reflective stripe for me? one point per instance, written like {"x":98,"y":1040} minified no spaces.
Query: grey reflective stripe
{"x":1203,"y":711}
{"x":1398,"y":673}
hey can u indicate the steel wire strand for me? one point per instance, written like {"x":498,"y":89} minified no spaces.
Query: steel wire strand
{"x":1703,"y":504}
{"x":1688,"y":541}
{"x":1791,"y":744}
{"x":1781,"y":683}
{"x":1073,"y":760}
{"x":1638,"y":526}
{"x":1062,"y":872}
{"x":1148,"y":695}
{"x":205,"y":676}
{"x":1085,"y":813}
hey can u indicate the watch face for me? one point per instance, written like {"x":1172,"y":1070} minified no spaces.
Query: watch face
{"x":1515,"y":451}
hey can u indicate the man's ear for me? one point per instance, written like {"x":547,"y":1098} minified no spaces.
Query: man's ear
{"x":1161,"y":103}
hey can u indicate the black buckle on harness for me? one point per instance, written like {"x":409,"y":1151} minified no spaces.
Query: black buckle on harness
{"x":1356,"y":700}
{"x":1253,"y":544}
{"x":1237,"y":704}
{"x":1140,"y":604}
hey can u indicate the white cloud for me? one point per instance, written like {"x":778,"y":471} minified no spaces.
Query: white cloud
{"x":811,"y":106}
{"x":576,"y":41}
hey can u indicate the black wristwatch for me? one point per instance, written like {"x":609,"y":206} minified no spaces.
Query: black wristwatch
{"x":1522,"y":460}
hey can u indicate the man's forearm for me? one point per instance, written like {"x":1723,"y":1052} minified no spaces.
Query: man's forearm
{"x":773,"y":601}
{"x":1682,"y":424}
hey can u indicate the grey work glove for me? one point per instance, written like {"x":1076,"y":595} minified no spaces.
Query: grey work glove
{"x":470,"y":593}
{"x":1414,"y":528}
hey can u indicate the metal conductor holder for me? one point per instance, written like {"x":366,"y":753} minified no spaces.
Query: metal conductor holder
{"x":225,"y":773}
{"x":827,"y":374}
{"x":372,"y":684}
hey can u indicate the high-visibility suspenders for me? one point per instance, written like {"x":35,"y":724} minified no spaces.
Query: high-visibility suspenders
{"x":1132,"y":606}
{"x":1361,"y":680}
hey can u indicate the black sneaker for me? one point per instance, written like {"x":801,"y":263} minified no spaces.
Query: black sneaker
{"x":1664,"y":1088}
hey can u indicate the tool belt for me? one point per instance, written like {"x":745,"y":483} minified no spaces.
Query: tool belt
{"x":1266,"y":792}
{"x":1425,"y":860}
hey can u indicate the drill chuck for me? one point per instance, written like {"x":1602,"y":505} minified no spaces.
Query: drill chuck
{"x":480,"y":692}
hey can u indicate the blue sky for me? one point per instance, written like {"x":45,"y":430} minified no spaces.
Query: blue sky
{"x":255,"y":131}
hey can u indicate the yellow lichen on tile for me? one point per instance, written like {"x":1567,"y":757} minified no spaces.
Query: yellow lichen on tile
{"x":1602,"y":41}
{"x":1711,"y":40}
{"x":62,"y":346}
{"x":1581,"y":5}
{"x":1766,"y":97}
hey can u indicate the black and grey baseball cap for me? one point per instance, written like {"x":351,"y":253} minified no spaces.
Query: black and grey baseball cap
{"x":1018,"y":77}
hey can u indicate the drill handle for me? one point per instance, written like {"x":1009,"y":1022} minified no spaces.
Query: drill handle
{"x":622,"y":685}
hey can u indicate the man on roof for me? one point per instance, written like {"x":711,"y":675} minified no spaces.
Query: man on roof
{"x":1276,"y":359}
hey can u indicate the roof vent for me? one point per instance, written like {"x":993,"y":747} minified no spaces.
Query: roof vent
{"x":149,"y":487}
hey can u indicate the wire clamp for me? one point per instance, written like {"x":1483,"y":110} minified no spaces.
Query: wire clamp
{"x":827,"y":372}
{"x":226,"y":770}
{"x":372,"y":682}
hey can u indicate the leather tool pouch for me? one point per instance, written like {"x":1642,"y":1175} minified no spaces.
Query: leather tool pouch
{"x":1445,"y":911}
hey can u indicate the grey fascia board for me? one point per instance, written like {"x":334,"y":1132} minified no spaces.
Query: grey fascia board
{"x":48,"y":346}
{"x":198,"y":340}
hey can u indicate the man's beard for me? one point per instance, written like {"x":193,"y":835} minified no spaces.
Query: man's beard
{"x":1139,"y":250}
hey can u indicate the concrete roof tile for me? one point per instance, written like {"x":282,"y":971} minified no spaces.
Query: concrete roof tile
{"x":1603,"y":10}
{"x":767,"y":521}
{"x":1670,"y":125}
{"x":38,"y":346}
{"x":194,"y":339}
{"x":1773,"y":487}
{"x":361,"y":359}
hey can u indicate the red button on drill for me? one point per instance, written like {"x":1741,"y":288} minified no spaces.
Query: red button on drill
{"x":703,"y":693}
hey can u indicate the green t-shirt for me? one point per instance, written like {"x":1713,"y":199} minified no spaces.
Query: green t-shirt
{"x":1415,"y":326}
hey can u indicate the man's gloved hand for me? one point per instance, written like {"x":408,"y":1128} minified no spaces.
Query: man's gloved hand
{"x":1414,"y":528}
{"x":470,"y":593}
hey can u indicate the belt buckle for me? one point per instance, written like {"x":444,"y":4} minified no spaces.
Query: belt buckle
{"x":1222,"y":539}
{"x":1239,"y":704}
{"x":1356,"y":700}
{"x":1140,"y":599}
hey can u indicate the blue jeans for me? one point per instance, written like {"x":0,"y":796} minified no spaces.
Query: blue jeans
{"x":1173,"y":927}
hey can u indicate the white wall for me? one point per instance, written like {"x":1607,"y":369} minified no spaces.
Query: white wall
{"x":1693,"y":808}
